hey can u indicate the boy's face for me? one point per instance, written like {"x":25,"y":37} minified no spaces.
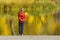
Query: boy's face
{"x":22,"y":10}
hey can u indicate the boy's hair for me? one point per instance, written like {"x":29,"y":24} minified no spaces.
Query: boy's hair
{"x":22,"y":9}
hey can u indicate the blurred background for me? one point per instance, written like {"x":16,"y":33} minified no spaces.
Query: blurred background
{"x":43,"y":17}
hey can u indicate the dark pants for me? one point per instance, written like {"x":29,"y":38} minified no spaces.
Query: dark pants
{"x":21,"y":27}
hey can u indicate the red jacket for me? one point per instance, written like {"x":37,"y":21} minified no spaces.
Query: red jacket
{"x":21,"y":16}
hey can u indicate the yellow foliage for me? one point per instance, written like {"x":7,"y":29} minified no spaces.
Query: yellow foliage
{"x":39,"y":28}
{"x":43,"y":18}
{"x":4,"y":27}
{"x":51,"y":25}
{"x":30,"y":19}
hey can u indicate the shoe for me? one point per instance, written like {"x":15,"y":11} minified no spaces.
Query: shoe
{"x":22,"y":35}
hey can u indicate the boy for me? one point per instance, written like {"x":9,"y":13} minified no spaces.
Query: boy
{"x":21,"y":18}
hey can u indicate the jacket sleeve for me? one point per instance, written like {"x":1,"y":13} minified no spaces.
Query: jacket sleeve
{"x":19,"y":17}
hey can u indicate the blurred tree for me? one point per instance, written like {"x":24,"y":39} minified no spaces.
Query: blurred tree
{"x":57,"y":16}
{"x":10,"y":6}
{"x":0,"y":7}
{"x":5,"y":8}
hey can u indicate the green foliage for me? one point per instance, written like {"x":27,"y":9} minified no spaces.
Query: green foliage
{"x":34,"y":8}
